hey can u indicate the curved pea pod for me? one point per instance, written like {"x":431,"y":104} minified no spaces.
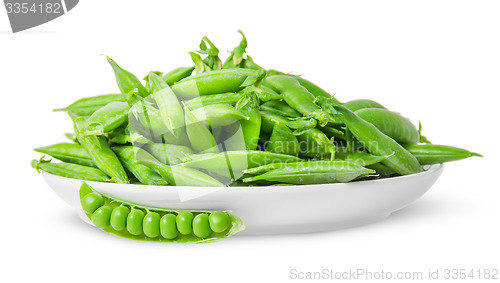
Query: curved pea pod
{"x":428,"y":154}
{"x":198,"y":132}
{"x":250,"y":126}
{"x":269,"y":119}
{"x":169,"y":107}
{"x":100,"y":152}
{"x":232,"y":163}
{"x":221,"y":98}
{"x":87,"y":106}
{"x":283,"y":141}
{"x":314,"y":172}
{"x":298,"y":97}
{"x":68,"y":152}
{"x":128,"y":83}
{"x":315,"y":144}
{"x":177,"y":175}
{"x":168,"y":154}
{"x":144,"y":174}
{"x":392,"y":124}
{"x":177,"y":74}
{"x":138,"y":222}
{"x":70,"y":170}
{"x":357,"y":104}
{"x":213,"y":82}
{"x":360,"y":158}
{"x":377,"y":143}
{"x":218,"y":114}
{"x":280,"y":108}
{"x":107,"y":118}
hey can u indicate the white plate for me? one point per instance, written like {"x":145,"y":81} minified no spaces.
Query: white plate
{"x":273,"y":210}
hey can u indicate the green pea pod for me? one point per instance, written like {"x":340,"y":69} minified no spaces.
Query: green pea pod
{"x":170,"y":108}
{"x":357,"y":104}
{"x":221,"y":98}
{"x":269,"y":119}
{"x":249,"y":63}
{"x":214,"y":82}
{"x":315,"y":144}
{"x":428,"y":154}
{"x":199,"y":134}
{"x":177,"y":74}
{"x":314,"y":172}
{"x":87,"y":106}
{"x":107,"y":118}
{"x":332,"y":132}
{"x":144,"y":174}
{"x":236,"y":57}
{"x":382,"y":170}
{"x":123,"y":135}
{"x":70,"y":170}
{"x":360,"y":158}
{"x":68,"y":152}
{"x":392,"y":124}
{"x":128,"y":83}
{"x":280,"y":108}
{"x":232,"y":163}
{"x":177,"y":175}
{"x":218,"y":114}
{"x":251,"y":126}
{"x":377,"y":143}
{"x":283,"y":141}
{"x":118,"y":217}
{"x":168,"y":154}
{"x":71,"y":137}
{"x":100,"y":152}
{"x":297,"y":97}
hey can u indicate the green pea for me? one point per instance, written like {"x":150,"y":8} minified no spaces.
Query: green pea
{"x":101,"y":216}
{"x":119,"y":218}
{"x":168,"y":228}
{"x":201,"y":226}
{"x":134,"y":222}
{"x":91,"y":202}
{"x":219,"y":221}
{"x":183,"y":221}
{"x":151,"y":224}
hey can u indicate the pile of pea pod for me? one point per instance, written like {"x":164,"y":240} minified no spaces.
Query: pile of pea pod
{"x":235,"y":123}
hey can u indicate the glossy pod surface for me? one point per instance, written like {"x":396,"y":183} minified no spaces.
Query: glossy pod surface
{"x":136,"y":222}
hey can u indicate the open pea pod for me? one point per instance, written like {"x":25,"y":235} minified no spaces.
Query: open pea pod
{"x":138,"y":222}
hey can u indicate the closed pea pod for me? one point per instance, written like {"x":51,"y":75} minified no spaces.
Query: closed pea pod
{"x":168,"y":154}
{"x":87,"y":106}
{"x":218,"y":114}
{"x":144,"y":174}
{"x":297,"y":97}
{"x":269,"y":119}
{"x":213,"y":82}
{"x":177,"y":74}
{"x":314,"y":143}
{"x":251,"y":126}
{"x":68,"y":152}
{"x":357,"y":104}
{"x":198,"y":132}
{"x":392,"y":124}
{"x":107,"y":118}
{"x":71,"y":170}
{"x":400,"y":160}
{"x":428,"y":154}
{"x":283,"y":141}
{"x":280,"y":108}
{"x":128,"y":83}
{"x":100,"y":152}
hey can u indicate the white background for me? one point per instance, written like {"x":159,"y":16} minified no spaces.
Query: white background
{"x":433,"y":61}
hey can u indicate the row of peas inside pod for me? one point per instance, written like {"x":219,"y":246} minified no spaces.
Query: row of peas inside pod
{"x":235,"y":123}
